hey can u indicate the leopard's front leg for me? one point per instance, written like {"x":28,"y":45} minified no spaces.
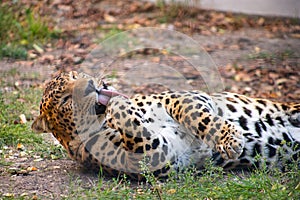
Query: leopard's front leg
{"x":194,"y":111}
{"x":220,"y":133}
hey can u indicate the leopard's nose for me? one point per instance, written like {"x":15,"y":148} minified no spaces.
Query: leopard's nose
{"x":90,"y":88}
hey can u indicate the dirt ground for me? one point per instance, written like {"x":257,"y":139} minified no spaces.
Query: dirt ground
{"x":257,"y":57}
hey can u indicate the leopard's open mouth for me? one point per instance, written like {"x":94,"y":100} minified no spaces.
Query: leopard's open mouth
{"x":104,"y":95}
{"x":100,"y":109}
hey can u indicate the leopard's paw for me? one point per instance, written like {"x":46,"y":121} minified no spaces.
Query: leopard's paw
{"x":231,"y":145}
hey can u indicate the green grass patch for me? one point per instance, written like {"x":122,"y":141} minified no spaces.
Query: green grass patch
{"x":110,"y":32}
{"x":213,"y":183}
{"x":172,"y":9}
{"x":20,"y":29}
{"x":114,"y":39}
{"x":12,"y":105}
{"x":13,"y":132}
{"x":168,"y":10}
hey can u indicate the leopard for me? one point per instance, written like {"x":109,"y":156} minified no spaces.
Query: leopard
{"x":105,"y":130}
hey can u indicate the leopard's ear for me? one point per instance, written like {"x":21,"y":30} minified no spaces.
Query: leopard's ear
{"x":40,"y":125}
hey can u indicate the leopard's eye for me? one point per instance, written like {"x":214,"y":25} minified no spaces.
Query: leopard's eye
{"x":65,"y":99}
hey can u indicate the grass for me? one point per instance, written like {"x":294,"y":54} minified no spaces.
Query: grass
{"x":13,"y":103}
{"x":171,"y":9}
{"x":20,"y":29}
{"x":12,"y":132}
{"x":110,"y":32}
{"x":214,"y":183}
{"x":114,"y":41}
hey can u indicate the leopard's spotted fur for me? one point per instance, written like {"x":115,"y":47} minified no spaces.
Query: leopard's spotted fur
{"x":171,"y":130}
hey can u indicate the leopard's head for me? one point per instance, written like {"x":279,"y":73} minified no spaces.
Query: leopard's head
{"x":67,"y":96}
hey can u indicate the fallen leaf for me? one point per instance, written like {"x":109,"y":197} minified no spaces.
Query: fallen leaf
{"x":23,"y":154}
{"x":242,"y":77}
{"x":274,"y":95}
{"x":64,"y":8}
{"x":12,"y":170}
{"x":281,"y":81}
{"x":140,"y":191}
{"x":156,"y":59}
{"x":54,"y":157}
{"x":34,"y":197}
{"x":31,"y":168}
{"x":31,"y":55}
{"x":38,"y":160}
{"x":109,"y":18}
{"x":24,"y":194}
{"x":256,"y":49}
{"x":38,"y":48}
{"x":261,"y":21}
{"x":171,"y":191}
{"x":296,"y":35}
{"x":8,"y":195}
{"x":20,"y":146}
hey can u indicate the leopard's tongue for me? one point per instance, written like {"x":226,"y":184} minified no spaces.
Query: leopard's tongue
{"x":105,"y":95}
